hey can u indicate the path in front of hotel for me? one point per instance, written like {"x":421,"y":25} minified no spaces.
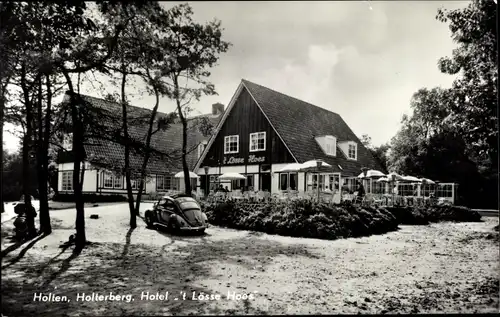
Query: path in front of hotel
{"x":443,"y":267}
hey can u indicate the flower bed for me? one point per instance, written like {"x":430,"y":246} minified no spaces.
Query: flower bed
{"x":301,"y":218}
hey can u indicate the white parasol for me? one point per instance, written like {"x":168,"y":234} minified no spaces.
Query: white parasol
{"x":371,"y":173}
{"x":312,"y":164}
{"x":383,"y":179}
{"x":397,"y":176}
{"x":181,"y":175}
{"x":427,"y":181}
{"x":408,"y":178}
{"x":231,"y":176}
{"x":294,"y":167}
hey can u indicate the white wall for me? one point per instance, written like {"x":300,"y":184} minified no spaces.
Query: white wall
{"x":89,"y":181}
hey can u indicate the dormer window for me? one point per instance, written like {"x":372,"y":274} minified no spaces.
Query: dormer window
{"x":352,"y":152}
{"x":331,"y":145}
{"x":349,"y":149}
{"x":231,"y":144}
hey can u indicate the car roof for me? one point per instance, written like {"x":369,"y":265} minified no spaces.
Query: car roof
{"x":174,"y":197}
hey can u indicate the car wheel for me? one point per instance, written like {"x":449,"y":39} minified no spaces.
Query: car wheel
{"x":148,"y":218}
{"x":173,"y":227}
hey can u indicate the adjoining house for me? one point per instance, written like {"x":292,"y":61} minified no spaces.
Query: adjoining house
{"x":263,"y":130}
{"x":104,"y":158}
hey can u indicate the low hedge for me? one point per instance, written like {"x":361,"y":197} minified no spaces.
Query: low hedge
{"x":90,"y":198}
{"x":426,"y":215}
{"x":310,"y":219}
{"x":301,"y":218}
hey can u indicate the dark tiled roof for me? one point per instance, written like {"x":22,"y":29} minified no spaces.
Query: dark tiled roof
{"x":101,"y":151}
{"x":299,"y":122}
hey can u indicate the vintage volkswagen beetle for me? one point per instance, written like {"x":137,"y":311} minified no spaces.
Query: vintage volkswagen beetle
{"x":177,"y":213}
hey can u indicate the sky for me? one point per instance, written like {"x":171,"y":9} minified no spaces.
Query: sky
{"x":360,"y":59}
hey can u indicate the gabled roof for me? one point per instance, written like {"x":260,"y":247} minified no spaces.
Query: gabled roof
{"x":102,"y":151}
{"x":298,"y":122}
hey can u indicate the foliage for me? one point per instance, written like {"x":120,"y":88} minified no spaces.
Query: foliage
{"x":426,"y":215}
{"x":452,"y":134}
{"x":380,"y":153}
{"x":191,"y":50}
{"x":475,"y":62}
{"x":310,"y":219}
{"x":12,"y":182}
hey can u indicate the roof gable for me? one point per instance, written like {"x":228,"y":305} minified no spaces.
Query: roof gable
{"x":165,"y":141}
{"x":299,"y":122}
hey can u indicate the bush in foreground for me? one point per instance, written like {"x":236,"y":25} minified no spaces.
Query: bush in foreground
{"x":301,"y":218}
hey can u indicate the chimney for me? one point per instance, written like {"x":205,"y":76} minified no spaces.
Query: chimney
{"x":217,"y":109}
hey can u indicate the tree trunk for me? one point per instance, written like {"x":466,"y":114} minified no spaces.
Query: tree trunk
{"x":147,"y":150}
{"x":78,"y":153}
{"x":130,"y":195}
{"x":42,"y":165}
{"x":45,"y":158}
{"x":30,"y":219}
{"x":2,"y":105}
{"x":185,"y":167}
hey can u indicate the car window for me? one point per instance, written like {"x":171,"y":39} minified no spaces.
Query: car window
{"x":187,"y":203}
{"x":169,"y":205}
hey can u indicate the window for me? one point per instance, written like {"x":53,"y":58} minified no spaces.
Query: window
{"x":108,"y":180}
{"x":315,"y":182}
{"x":334,"y":183}
{"x":331,"y":146}
{"x":134,"y":184}
{"x":288,"y":181}
{"x":379,"y":187}
{"x":67,"y":180}
{"x":350,"y":184}
{"x":407,"y":189}
{"x":164,"y":183}
{"x":444,"y":190}
{"x":257,"y":141}
{"x":250,"y":182}
{"x":201,"y":147}
{"x":117,"y":182}
{"x":112,"y":181}
{"x":284,"y":181}
{"x":293,"y":181}
{"x":351,"y":153}
{"x":231,"y":144}
{"x":237,"y":184}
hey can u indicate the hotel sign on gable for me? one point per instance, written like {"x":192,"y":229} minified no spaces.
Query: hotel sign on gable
{"x":239,"y":160}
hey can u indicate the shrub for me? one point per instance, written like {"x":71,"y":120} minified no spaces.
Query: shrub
{"x":90,"y":198}
{"x":425,"y":215}
{"x":301,"y":218}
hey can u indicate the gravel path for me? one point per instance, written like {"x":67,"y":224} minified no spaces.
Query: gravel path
{"x":444,"y":267}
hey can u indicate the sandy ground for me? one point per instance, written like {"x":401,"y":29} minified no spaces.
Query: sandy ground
{"x":446,"y":267}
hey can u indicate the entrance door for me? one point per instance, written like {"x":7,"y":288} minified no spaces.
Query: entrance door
{"x":265,"y":182}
